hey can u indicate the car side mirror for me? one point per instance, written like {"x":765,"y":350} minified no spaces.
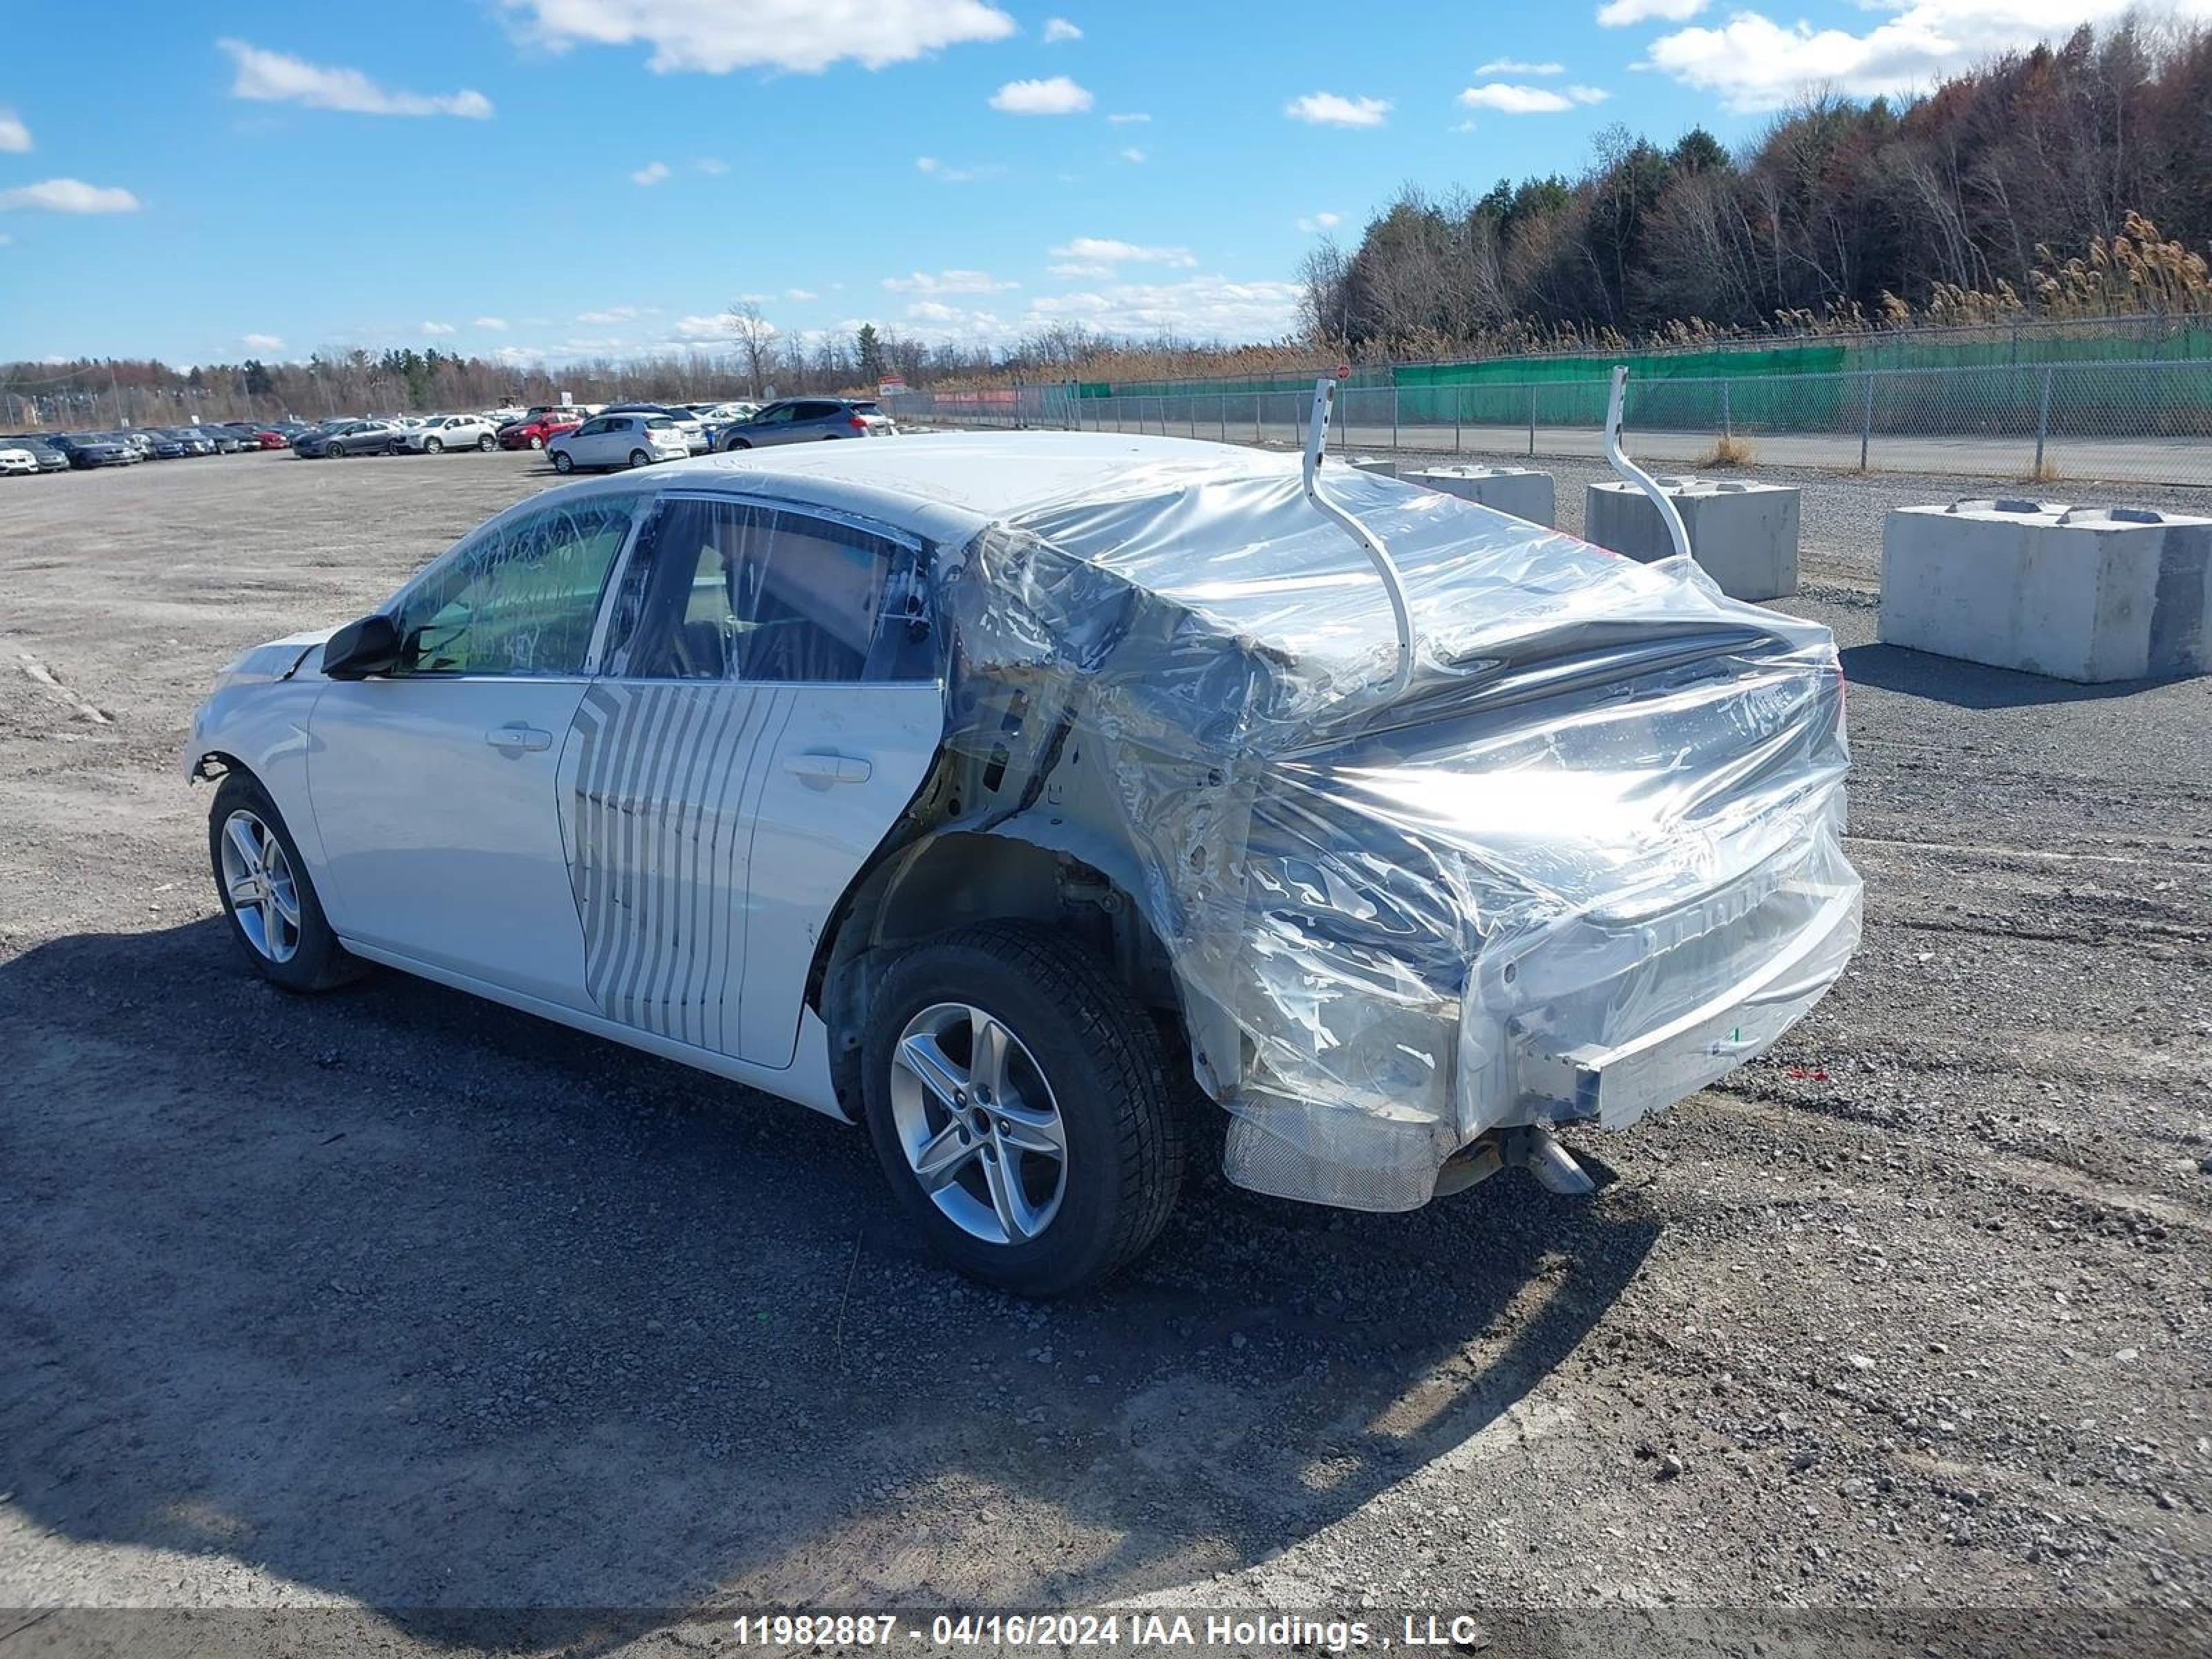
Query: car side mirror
{"x":359,"y":649}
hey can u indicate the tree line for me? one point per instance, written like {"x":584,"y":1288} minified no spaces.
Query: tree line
{"x":1998,"y":192}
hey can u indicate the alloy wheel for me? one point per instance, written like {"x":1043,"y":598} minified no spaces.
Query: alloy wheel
{"x":257,"y":877}
{"x":978,"y":1122}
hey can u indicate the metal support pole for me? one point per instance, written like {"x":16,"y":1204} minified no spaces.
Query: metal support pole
{"x":1459,"y":413}
{"x":1221,"y":411}
{"x":1866,"y":420}
{"x":1256,"y":417}
{"x":1394,"y":415}
{"x":2043,"y":420}
{"x":1727,"y":417}
{"x":1532,"y":419}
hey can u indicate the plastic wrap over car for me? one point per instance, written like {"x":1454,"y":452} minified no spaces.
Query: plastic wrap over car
{"x":1584,"y":862}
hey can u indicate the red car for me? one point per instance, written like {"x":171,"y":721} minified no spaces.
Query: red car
{"x":270,"y":438}
{"x":537,"y":431}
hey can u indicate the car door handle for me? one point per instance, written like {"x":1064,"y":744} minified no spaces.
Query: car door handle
{"x":826,"y":770}
{"x":519,"y":737}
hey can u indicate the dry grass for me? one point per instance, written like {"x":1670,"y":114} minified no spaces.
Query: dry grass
{"x":1729,"y":450}
{"x":2044,"y":471}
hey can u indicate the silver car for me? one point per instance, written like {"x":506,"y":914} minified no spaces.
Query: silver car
{"x":807,"y":420}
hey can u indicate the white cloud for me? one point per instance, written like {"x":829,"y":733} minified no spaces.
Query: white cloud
{"x":947,"y":281}
{"x":946,"y":173}
{"x":1619,"y":14}
{"x":1129,"y":118}
{"x":711,"y":164}
{"x":800,"y":294}
{"x":1133,"y":154}
{"x":1079,"y":269}
{"x":271,"y":78}
{"x":15,"y":136}
{"x":694,"y":329}
{"x":1107,"y":251}
{"x":1056,"y":96}
{"x":651,"y":173}
{"x":1331,"y":109}
{"x":1200,"y":307}
{"x":716,"y":36}
{"x":1516,"y":66}
{"x":432,"y":330}
{"x":611,"y":315}
{"x":70,"y":195}
{"x":1315,"y":224}
{"x":1508,"y":99}
{"x":262,"y":342}
{"x":497,"y":324}
{"x":1756,"y":63}
{"x":1057,"y":29}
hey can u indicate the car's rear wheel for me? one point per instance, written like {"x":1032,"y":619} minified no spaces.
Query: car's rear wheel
{"x":563,"y":461}
{"x":267,"y":894}
{"x":638,"y":458}
{"x":485,"y":444}
{"x":1019,"y":1103}
{"x":434,"y":446}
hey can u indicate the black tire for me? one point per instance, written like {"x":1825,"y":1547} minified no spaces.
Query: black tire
{"x":638,"y":458}
{"x":564,"y":462}
{"x":486,"y":444}
{"x":434,"y":446}
{"x":734,"y":446}
{"x":536,"y":442}
{"x":318,"y":961}
{"x":1107,"y":1065}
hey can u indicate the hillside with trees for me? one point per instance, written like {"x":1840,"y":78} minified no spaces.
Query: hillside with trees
{"x":1841,"y":215}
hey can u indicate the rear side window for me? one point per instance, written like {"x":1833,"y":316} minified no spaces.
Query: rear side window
{"x":725,"y":590}
{"x":520,"y":598}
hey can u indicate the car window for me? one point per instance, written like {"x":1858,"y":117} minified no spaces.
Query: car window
{"x":589,"y":428}
{"x":726,"y":590}
{"x":518,"y":599}
{"x":773,"y":415}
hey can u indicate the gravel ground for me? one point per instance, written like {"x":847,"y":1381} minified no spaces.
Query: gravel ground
{"x":396,"y":1299}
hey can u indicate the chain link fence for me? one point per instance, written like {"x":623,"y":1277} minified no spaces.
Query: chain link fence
{"x":2142,"y":421}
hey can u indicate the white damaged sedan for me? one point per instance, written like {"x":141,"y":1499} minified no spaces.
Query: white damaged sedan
{"x":1019,"y":795}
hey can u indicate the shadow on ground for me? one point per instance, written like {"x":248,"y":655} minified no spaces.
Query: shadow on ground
{"x":397,"y":1296}
{"x":1972,"y":685}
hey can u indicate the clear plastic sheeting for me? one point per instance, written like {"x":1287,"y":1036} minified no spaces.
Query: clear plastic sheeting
{"x":1587,"y":860}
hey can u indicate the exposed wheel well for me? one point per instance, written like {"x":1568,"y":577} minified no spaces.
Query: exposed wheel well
{"x":956,"y":879}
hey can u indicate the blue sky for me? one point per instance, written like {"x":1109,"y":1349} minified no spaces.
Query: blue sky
{"x":560,"y":178}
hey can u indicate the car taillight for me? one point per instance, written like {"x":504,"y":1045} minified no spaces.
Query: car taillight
{"x":858,"y":424}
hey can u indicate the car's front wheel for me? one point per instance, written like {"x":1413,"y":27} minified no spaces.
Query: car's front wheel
{"x":267,"y":894}
{"x":1019,"y":1103}
{"x":734,"y":446}
{"x":564,"y":462}
{"x":536,"y":442}
{"x":434,"y":446}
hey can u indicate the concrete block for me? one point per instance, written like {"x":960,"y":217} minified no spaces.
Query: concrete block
{"x":2084,"y":594}
{"x":1389,"y":468}
{"x":1519,"y":491}
{"x":1743,"y":535}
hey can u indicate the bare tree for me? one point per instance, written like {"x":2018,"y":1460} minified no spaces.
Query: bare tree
{"x":755,"y":338}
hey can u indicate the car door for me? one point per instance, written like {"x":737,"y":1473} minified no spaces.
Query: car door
{"x":768,"y":706}
{"x":587,"y":446}
{"x":433,"y":785}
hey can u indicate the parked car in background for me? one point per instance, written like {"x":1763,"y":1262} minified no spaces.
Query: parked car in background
{"x":41,"y":448}
{"x":611,"y":441}
{"x":222,"y":436}
{"x":436,"y":433}
{"x":86,"y":450}
{"x":806,"y":419}
{"x":17,"y":461}
{"x":271,"y":437}
{"x":345,"y":438}
{"x":160,"y":445}
{"x":902,"y":784}
{"x":693,"y":428}
{"x":195,"y":441}
{"x":538,"y":430}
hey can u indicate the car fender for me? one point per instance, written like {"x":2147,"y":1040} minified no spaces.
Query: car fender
{"x":256,"y":719}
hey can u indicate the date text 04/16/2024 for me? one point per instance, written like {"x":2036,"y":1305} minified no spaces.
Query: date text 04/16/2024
{"x":1139,"y":1631}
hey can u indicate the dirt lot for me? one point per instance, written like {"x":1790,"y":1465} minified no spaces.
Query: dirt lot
{"x":398,"y":1299}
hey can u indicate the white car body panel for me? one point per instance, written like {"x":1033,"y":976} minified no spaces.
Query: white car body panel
{"x":18,"y":460}
{"x":713,"y":826}
{"x":452,"y":432}
{"x":438,"y":844}
{"x":613,"y":446}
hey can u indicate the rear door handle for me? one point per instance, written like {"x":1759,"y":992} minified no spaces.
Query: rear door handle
{"x":519,"y":737}
{"x":826,"y":769}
